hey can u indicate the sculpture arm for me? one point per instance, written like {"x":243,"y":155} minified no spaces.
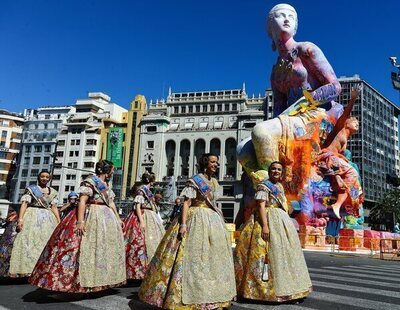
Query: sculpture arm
{"x":322,"y":71}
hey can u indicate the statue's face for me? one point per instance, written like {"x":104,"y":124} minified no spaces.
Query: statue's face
{"x":353,"y":124}
{"x":284,"y":20}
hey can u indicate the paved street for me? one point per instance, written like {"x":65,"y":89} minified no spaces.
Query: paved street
{"x":340,"y":282}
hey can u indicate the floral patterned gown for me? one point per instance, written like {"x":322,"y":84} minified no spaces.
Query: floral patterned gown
{"x":196,"y":272}
{"x":140,"y":247}
{"x":38,"y":225}
{"x":6,"y":243}
{"x":88,"y":263}
{"x":287,"y":269}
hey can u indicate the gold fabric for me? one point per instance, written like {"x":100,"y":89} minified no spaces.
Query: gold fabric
{"x":288,"y":273}
{"x":38,"y":225}
{"x":208,"y":273}
{"x":102,"y":252}
{"x":197,"y":272}
{"x":153,"y":233}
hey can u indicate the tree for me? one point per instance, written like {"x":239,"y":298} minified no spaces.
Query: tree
{"x":387,"y":210}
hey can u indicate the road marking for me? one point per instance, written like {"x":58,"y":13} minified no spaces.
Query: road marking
{"x":358,"y":275}
{"x":352,"y":301}
{"x":357,"y":281}
{"x":363,"y":269}
{"x":384,"y":268}
{"x":373,"y":291}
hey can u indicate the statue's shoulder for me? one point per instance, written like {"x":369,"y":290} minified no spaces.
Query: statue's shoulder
{"x":308,"y":49}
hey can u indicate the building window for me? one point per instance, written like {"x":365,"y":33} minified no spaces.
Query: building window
{"x":36,"y":160}
{"x":91,"y":142}
{"x":228,"y":190}
{"x":219,"y":107}
{"x":183,"y":109}
{"x":71,"y":153}
{"x":71,"y":177}
{"x":38,"y":148}
{"x":47,"y":116}
{"x":47,"y":148}
{"x":90,"y":153}
{"x":226,"y":108}
{"x":27,"y":149}
{"x":212,"y":108}
{"x":22,"y":185}
{"x":24,"y":173}
{"x":151,"y":128}
{"x":78,"y":142}
{"x":34,"y":172}
{"x":4,"y":134}
{"x":190,"y":109}
{"x":228,"y":211}
{"x":150,"y":145}
{"x":61,"y":142}
{"x":60,"y":154}
{"x":26,"y":160}
{"x":46,"y":160}
{"x":176,"y":110}
{"x":88,"y":165}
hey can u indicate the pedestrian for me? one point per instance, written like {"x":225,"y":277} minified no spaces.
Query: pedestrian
{"x":86,"y":253}
{"x":269,"y":262}
{"x":193,"y":265}
{"x":38,"y":217}
{"x":72,"y":204}
{"x":143,"y":229}
{"x":176,"y":212}
{"x":6,"y":243}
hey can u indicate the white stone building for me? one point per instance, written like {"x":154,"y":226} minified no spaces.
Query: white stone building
{"x":41,"y":129}
{"x":177,"y":131}
{"x":79,"y":143}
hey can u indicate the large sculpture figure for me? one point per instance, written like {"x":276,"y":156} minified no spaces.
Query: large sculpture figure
{"x":304,"y":86}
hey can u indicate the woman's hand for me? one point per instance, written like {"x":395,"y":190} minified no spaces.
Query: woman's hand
{"x":20,"y":224}
{"x":80,"y":228}
{"x":142,"y":228}
{"x":182,"y":231}
{"x":265,"y":233}
{"x":122,"y":224}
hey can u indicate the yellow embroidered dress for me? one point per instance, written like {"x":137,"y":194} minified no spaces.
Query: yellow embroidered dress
{"x":197,"y":272}
{"x":38,"y":225}
{"x":287,"y":269}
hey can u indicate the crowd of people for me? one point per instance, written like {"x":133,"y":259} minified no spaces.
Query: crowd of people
{"x":191,"y":265}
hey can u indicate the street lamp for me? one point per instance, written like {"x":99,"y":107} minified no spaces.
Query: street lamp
{"x":395,"y":75}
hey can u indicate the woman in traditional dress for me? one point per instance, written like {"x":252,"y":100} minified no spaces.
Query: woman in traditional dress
{"x":86,"y":252}
{"x":193,"y":265}
{"x":38,"y":217}
{"x":6,"y":243}
{"x":269,"y":262}
{"x":143,"y":230}
{"x":71,"y":205}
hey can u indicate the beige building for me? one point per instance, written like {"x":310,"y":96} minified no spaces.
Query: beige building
{"x":11,"y":125}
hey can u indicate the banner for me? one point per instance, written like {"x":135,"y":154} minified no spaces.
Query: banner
{"x":114,"y":146}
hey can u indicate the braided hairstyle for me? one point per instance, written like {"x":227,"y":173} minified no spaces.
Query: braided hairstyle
{"x":203,"y":161}
{"x":103,"y":167}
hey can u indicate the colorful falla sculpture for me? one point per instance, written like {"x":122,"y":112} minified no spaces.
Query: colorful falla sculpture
{"x":309,"y":131}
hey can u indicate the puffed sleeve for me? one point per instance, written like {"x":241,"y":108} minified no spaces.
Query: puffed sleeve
{"x":189,"y":192}
{"x":111,"y":195}
{"x":217,"y":189}
{"x":139,"y":198}
{"x":26,"y":197}
{"x":261,"y":193}
{"x":85,"y":190}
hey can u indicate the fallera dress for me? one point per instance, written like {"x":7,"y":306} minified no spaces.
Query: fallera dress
{"x":195,"y":272}
{"x":140,"y":247}
{"x":88,"y":263}
{"x":39,"y":223}
{"x":287,"y":271}
{"x":6,"y":243}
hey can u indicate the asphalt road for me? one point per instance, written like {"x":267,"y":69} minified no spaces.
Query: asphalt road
{"x":339,"y":282}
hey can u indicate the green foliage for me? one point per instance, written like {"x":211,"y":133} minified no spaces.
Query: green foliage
{"x":388,"y":205}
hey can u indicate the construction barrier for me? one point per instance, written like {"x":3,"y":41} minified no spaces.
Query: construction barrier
{"x":390,"y":249}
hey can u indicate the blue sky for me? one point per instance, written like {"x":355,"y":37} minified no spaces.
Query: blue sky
{"x":54,"y":52}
